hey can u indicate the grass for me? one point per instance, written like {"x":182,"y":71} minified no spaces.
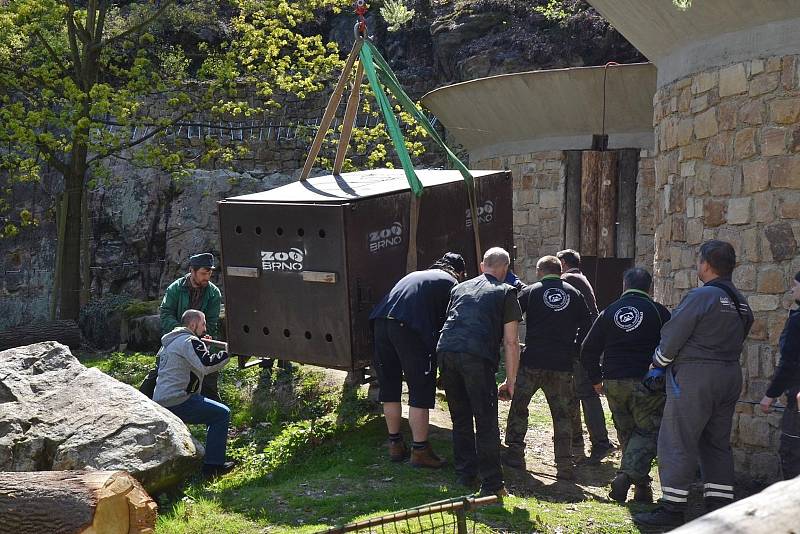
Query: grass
{"x":312,"y":456}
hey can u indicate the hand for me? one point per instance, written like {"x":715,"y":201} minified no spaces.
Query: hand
{"x":598,"y":388}
{"x":506,"y":391}
{"x":206,"y":336}
{"x":766,"y":404}
{"x":652,"y":366}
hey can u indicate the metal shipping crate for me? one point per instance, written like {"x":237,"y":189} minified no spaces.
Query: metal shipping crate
{"x":304,"y":264}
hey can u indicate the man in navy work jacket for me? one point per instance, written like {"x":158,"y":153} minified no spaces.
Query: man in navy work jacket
{"x":700,"y":349}
{"x":625,"y":335}
{"x":406,"y":326}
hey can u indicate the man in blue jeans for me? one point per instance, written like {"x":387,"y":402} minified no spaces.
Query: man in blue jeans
{"x":184,"y":360}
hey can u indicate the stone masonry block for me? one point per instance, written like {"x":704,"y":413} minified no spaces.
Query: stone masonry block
{"x":785,"y":110}
{"x":705,"y":124}
{"x":745,"y":143}
{"x":755,"y":176}
{"x":714,"y":212}
{"x":732,"y":80}
{"x":760,"y":303}
{"x":739,"y":210}
{"x":773,"y":141}
{"x":705,"y":81}
{"x":764,"y":83}
{"x":771,"y":280}
{"x":785,"y":172}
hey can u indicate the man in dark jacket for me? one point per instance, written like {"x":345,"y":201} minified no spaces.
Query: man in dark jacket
{"x":406,"y":326}
{"x":625,"y":335}
{"x":556,"y":319}
{"x":700,"y":349}
{"x":585,"y":395}
{"x":787,"y":380}
{"x":483,"y":313}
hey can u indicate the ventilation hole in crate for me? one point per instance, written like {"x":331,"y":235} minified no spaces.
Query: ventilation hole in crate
{"x":287,"y":333}
{"x":246,"y":329}
{"x":238,"y":229}
{"x":308,"y":334}
{"x":258,"y":230}
{"x":265,"y":330}
{"x":301,"y":232}
{"x":328,"y":338}
{"x":279,"y":230}
{"x":322,"y":233}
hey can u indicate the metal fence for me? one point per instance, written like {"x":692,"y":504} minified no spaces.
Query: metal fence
{"x":451,"y":515}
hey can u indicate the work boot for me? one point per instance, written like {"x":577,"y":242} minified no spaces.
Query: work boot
{"x":565,"y":471}
{"x":643,"y":493}
{"x":598,"y":453}
{"x":398,"y":450}
{"x":425,"y":457}
{"x":665,"y":517}
{"x":211,"y":471}
{"x":468,"y":481}
{"x":619,"y":487}
{"x":513,"y":458}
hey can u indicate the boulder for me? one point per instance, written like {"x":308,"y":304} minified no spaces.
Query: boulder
{"x":56,"y":414}
{"x":144,"y":333}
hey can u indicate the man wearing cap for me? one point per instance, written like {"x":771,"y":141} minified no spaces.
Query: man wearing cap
{"x":406,"y":324}
{"x":195,"y":291}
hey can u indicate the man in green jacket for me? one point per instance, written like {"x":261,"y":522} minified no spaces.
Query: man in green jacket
{"x":195,"y":291}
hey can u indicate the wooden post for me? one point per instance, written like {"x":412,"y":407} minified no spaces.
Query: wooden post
{"x":607,"y":206}
{"x":591,"y":169}
{"x":626,"y":203}
{"x":572,"y":215}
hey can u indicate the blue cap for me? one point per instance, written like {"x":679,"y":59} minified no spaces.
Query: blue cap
{"x":200,"y":261}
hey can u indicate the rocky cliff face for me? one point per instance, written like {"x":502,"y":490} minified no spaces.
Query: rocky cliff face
{"x":145,"y":225}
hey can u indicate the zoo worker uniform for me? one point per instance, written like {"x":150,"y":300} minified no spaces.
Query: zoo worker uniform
{"x":469,"y":354}
{"x":183,"y":362}
{"x":700,"y":348}
{"x":625,"y":335}
{"x":585,"y":395}
{"x":555,"y":316}
{"x":407,"y":323}
{"x":787,"y":379}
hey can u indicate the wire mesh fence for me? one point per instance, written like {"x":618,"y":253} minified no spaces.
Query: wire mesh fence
{"x":452,"y":515}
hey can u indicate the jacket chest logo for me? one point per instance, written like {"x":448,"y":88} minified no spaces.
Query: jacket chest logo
{"x":556,"y":299}
{"x":628,"y":318}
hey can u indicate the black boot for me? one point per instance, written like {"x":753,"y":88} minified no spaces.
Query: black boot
{"x":643,"y":493}
{"x":619,"y":487}
{"x":665,"y":516}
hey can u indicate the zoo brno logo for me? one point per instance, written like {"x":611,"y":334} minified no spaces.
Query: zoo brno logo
{"x":556,"y":299}
{"x":289,"y":260}
{"x":386,"y":238}
{"x":628,"y":318}
{"x":485,"y":213}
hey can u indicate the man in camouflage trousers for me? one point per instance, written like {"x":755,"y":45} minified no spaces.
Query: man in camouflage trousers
{"x":555,"y":315}
{"x":624,"y":336}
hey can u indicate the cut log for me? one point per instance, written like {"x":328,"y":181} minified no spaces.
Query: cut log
{"x":591,"y":169}
{"x":607,"y":206}
{"x":572,"y":215}
{"x":626,"y":203}
{"x":63,"y":331}
{"x":75,"y":502}
{"x":772,"y":511}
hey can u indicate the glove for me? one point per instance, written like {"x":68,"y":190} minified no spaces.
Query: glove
{"x":655,"y":380}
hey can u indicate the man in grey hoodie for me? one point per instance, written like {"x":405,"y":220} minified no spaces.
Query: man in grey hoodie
{"x":183,"y":362}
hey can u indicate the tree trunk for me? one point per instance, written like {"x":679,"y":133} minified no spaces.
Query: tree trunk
{"x":72,"y":502}
{"x":66,"y":332}
{"x":70,"y":303}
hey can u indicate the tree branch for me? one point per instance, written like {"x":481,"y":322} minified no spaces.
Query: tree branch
{"x":52,"y":159}
{"x":138,"y":141}
{"x":85,"y":36}
{"x":50,"y":52}
{"x":73,"y":45}
{"x":164,"y":5}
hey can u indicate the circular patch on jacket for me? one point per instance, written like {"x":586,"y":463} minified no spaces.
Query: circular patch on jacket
{"x":556,"y":298}
{"x":628,"y":318}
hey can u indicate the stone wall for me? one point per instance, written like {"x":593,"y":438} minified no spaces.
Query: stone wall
{"x":728,"y":167}
{"x":539,"y":197}
{"x":539,"y":202}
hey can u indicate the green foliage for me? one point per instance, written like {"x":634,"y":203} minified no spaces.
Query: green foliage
{"x":127,"y":367}
{"x":555,"y":10}
{"x":682,"y":4}
{"x":138,"y":308}
{"x":396,"y":14}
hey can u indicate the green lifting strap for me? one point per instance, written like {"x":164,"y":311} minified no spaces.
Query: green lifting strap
{"x":378,"y":69}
